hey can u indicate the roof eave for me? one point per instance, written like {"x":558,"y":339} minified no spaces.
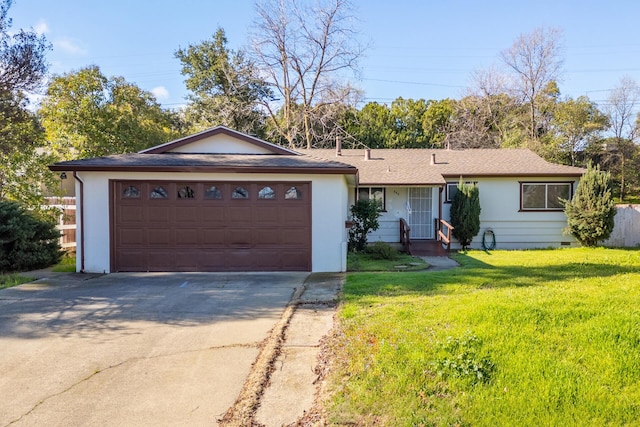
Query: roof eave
{"x":223,"y":169}
{"x":513,"y":175}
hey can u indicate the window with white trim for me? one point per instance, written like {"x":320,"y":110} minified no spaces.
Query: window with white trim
{"x":544,"y":196}
{"x":375,"y":193}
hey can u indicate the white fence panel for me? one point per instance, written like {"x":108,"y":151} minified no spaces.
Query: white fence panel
{"x":66,"y":220}
{"x":626,"y":232}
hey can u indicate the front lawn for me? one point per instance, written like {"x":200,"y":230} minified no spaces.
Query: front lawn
{"x":362,"y":261}
{"x":510,"y":338}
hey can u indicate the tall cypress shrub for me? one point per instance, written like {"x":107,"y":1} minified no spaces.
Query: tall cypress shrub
{"x":465,"y":213}
{"x":591,"y":210}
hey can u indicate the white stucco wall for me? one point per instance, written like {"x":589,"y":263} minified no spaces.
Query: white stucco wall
{"x":500,"y":205}
{"x":328,"y":214}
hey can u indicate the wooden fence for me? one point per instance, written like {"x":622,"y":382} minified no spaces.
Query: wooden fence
{"x":66,"y":220}
{"x":626,"y":232}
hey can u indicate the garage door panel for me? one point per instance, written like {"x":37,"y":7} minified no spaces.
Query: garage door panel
{"x":131,"y":236}
{"x":238,"y":237}
{"x":212,"y":260}
{"x":186,"y":260}
{"x":211,"y":231}
{"x":187,"y":237}
{"x":294,"y":236}
{"x":213,"y":237}
{"x":294,"y":261}
{"x":160,"y":237}
{"x":295,"y":214}
{"x":159,"y":260}
{"x":186,"y":214}
{"x":266,"y":258}
{"x":132,"y":260}
{"x":242,"y":259}
{"x":132,"y":214}
{"x":266,"y":236}
{"x":159,"y":213}
{"x":212,"y":214}
{"x":266,"y":214}
{"x":236,"y":214}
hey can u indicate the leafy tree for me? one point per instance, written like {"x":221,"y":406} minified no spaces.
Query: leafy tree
{"x":22,"y":56}
{"x":436,"y":121}
{"x":371,"y":125}
{"x":365,"y":214}
{"x":408,"y":116}
{"x":22,"y":69}
{"x":465,"y":213}
{"x":574,"y":122}
{"x":86,"y":114}
{"x":591,"y":211}
{"x":225,"y":87}
{"x":27,"y":240}
{"x":306,"y":51}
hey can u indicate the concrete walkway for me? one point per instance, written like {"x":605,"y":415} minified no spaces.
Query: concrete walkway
{"x":440,"y":262}
{"x":292,"y":386}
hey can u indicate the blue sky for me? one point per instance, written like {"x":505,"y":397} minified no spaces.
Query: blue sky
{"x":419,"y":49}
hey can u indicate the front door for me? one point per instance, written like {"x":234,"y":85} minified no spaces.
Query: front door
{"x":420,"y":212}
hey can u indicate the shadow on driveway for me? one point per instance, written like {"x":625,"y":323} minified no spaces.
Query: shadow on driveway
{"x":108,"y":303}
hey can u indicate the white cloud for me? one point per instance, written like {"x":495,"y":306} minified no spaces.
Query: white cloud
{"x":70,"y":46}
{"x":41,"y":27}
{"x":160,"y":92}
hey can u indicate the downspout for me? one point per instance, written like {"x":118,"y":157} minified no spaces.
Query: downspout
{"x":441,"y":189}
{"x":75,"y":175}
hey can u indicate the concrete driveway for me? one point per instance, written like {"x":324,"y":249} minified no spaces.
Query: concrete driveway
{"x":134,"y":349}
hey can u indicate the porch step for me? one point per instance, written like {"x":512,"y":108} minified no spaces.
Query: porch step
{"x":427,"y":248}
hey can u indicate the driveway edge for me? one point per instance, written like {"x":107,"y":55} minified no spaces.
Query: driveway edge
{"x":243,"y":410}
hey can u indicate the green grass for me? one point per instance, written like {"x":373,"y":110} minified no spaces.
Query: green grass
{"x":368,"y":262}
{"x":523,"y":338}
{"x":66,"y":265}
{"x":10,"y":280}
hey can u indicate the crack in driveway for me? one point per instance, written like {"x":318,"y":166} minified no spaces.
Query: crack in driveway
{"x":125,"y":362}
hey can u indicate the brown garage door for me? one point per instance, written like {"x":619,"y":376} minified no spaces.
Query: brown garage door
{"x":211,"y":226}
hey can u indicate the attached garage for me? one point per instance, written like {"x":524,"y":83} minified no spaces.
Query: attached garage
{"x":219,"y":200}
{"x":211,"y":226}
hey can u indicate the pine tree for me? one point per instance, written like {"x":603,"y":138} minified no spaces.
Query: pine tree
{"x":590,"y":213}
{"x":465,"y":213}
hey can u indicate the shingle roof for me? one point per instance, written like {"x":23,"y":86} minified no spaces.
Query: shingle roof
{"x":181,"y":162}
{"x":413,"y":166}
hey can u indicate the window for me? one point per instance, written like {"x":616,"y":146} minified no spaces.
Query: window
{"x":159,"y":193}
{"x":240,"y":193}
{"x":544,"y":196}
{"x":213,"y":192}
{"x":452,"y":189}
{"x":186,"y":192}
{"x":131,"y":192}
{"x":375,"y":193}
{"x":293,"y":193}
{"x":266,"y":193}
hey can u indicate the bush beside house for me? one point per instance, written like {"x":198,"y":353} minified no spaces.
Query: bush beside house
{"x":27,"y":240}
{"x":465,"y":213}
{"x":591,"y":211}
{"x":365,"y":214}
